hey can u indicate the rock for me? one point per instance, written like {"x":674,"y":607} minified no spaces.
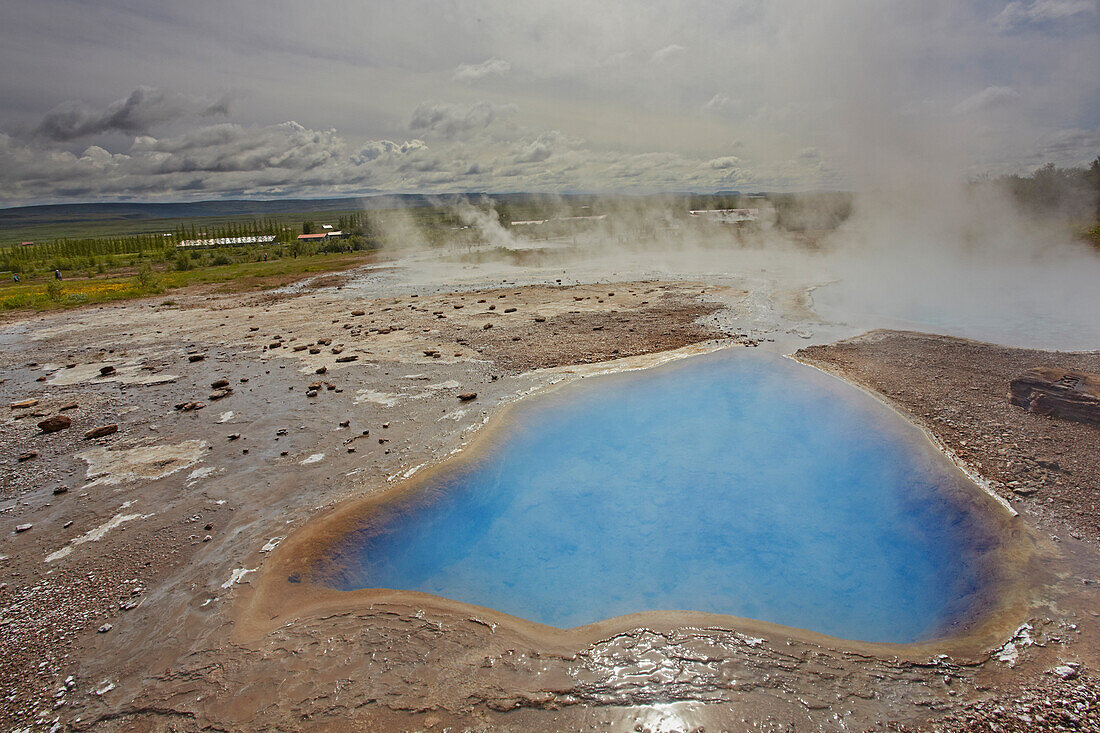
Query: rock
{"x":27,"y":455}
{"x":345,"y":423}
{"x":314,"y":350}
{"x":320,"y":370}
{"x":359,"y":313}
{"x":24,"y":403}
{"x":315,"y":386}
{"x":1061,"y":393}
{"x":219,"y":384}
{"x":189,"y":406}
{"x":486,"y":327}
{"x":106,"y":371}
{"x":70,"y":406}
{"x":105,"y":628}
{"x":196,"y":357}
{"x":509,"y":310}
{"x":1065,"y":671}
{"x":219,"y":394}
{"x":311,"y":393}
{"x":234,"y":436}
{"x":20,"y":528}
{"x":55,"y":423}
{"x":346,"y":359}
{"x":467,"y":396}
{"x":60,"y":490}
{"x":101,"y":432}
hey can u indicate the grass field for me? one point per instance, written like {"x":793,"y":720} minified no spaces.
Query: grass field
{"x":45,"y":293}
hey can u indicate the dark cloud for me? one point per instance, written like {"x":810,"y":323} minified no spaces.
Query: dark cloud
{"x":449,"y":121}
{"x":143,"y":110}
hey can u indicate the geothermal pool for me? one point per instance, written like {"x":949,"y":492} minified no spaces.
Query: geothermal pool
{"x":734,"y":483}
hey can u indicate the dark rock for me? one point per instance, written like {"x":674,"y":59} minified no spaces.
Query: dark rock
{"x":196,"y":357}
{"x":106,"y":371}
{"x":234,"y":436}
{"x":358,"y":313}
{"x":70,"y":406}
{"x":101,"y":432}
{"x":19,"y":528}
{"x":345,"y":359}
{"x":467,"y":396}
{"x":55,"y":423}
{"x":189,"y":406}
{"x":1061,"y":393}
{"x":27,"y":455}
{"x":60,"y":490}
{"x":219,"y":394}
{"x":219,"y":384}
{"x":24,"y":403}
{"x":487,"y":326}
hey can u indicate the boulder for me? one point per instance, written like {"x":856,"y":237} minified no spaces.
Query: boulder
{"x":101,"y":432}
{"x":55,"y":423}
{"x":1061,"y":393}
{"x":106,"y":371}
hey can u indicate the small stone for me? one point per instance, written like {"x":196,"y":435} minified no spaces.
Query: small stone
{"x":345,"y":359}
{"x":311,"y":393}
{"x":219,"y":384}
{"x":509,"y":310}
{"x":60,"y":490}
{"x":55,"y":423}
{"x":196,"y":357}
{"x":70,"y":406}
{"x":234,"y":436}
{"x":106,"y":371}
{"x":486,"y":327}
{"x":19,"y":528}
{"x":467,"y":396}
{"x":359,"y":313}
{"x":320,"y":370}
{"x":28,"y":455}
{"x":101,"y":432}
{"x":207,"y":538}
{"x":105,"y":628}
{"x":24,"y":403}
{"x":219,"y":394}
{"x":345,"y":423}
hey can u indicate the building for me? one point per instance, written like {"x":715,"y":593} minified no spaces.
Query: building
{"x":728,"y":216}
{"x":262,"y":239}
{"x":321,"y":236}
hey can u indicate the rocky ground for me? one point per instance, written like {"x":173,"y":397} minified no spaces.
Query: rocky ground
{"x":129,"y":557}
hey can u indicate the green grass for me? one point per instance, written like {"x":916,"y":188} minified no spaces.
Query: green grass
{"x":34,"y":295}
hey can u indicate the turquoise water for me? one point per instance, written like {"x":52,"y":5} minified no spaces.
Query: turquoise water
{"x":734,"y":483}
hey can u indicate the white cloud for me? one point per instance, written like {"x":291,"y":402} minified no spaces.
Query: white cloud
{"x":1038,"y":11}
{"x":489,"y":67}
{"x":667,"y":53}
{"x":724,"y":162}
{"x":720,"y":100}
{"x":988,"y":98}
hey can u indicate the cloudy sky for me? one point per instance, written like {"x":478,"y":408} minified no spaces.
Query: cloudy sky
{"x":158,"y":100}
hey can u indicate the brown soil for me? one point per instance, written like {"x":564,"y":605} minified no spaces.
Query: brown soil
{"x":165,"y":551}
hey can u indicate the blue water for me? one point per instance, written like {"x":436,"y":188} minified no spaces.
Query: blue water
{"x":736,"y":483}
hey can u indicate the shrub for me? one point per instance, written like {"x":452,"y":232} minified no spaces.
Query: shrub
{"x":221,"y":259}
{"x":183,"y":261}
{"x":148,"y":280}
{"x":54,"y":291}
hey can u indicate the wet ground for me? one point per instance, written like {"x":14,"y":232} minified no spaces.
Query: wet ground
{"x":135,"y":597}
